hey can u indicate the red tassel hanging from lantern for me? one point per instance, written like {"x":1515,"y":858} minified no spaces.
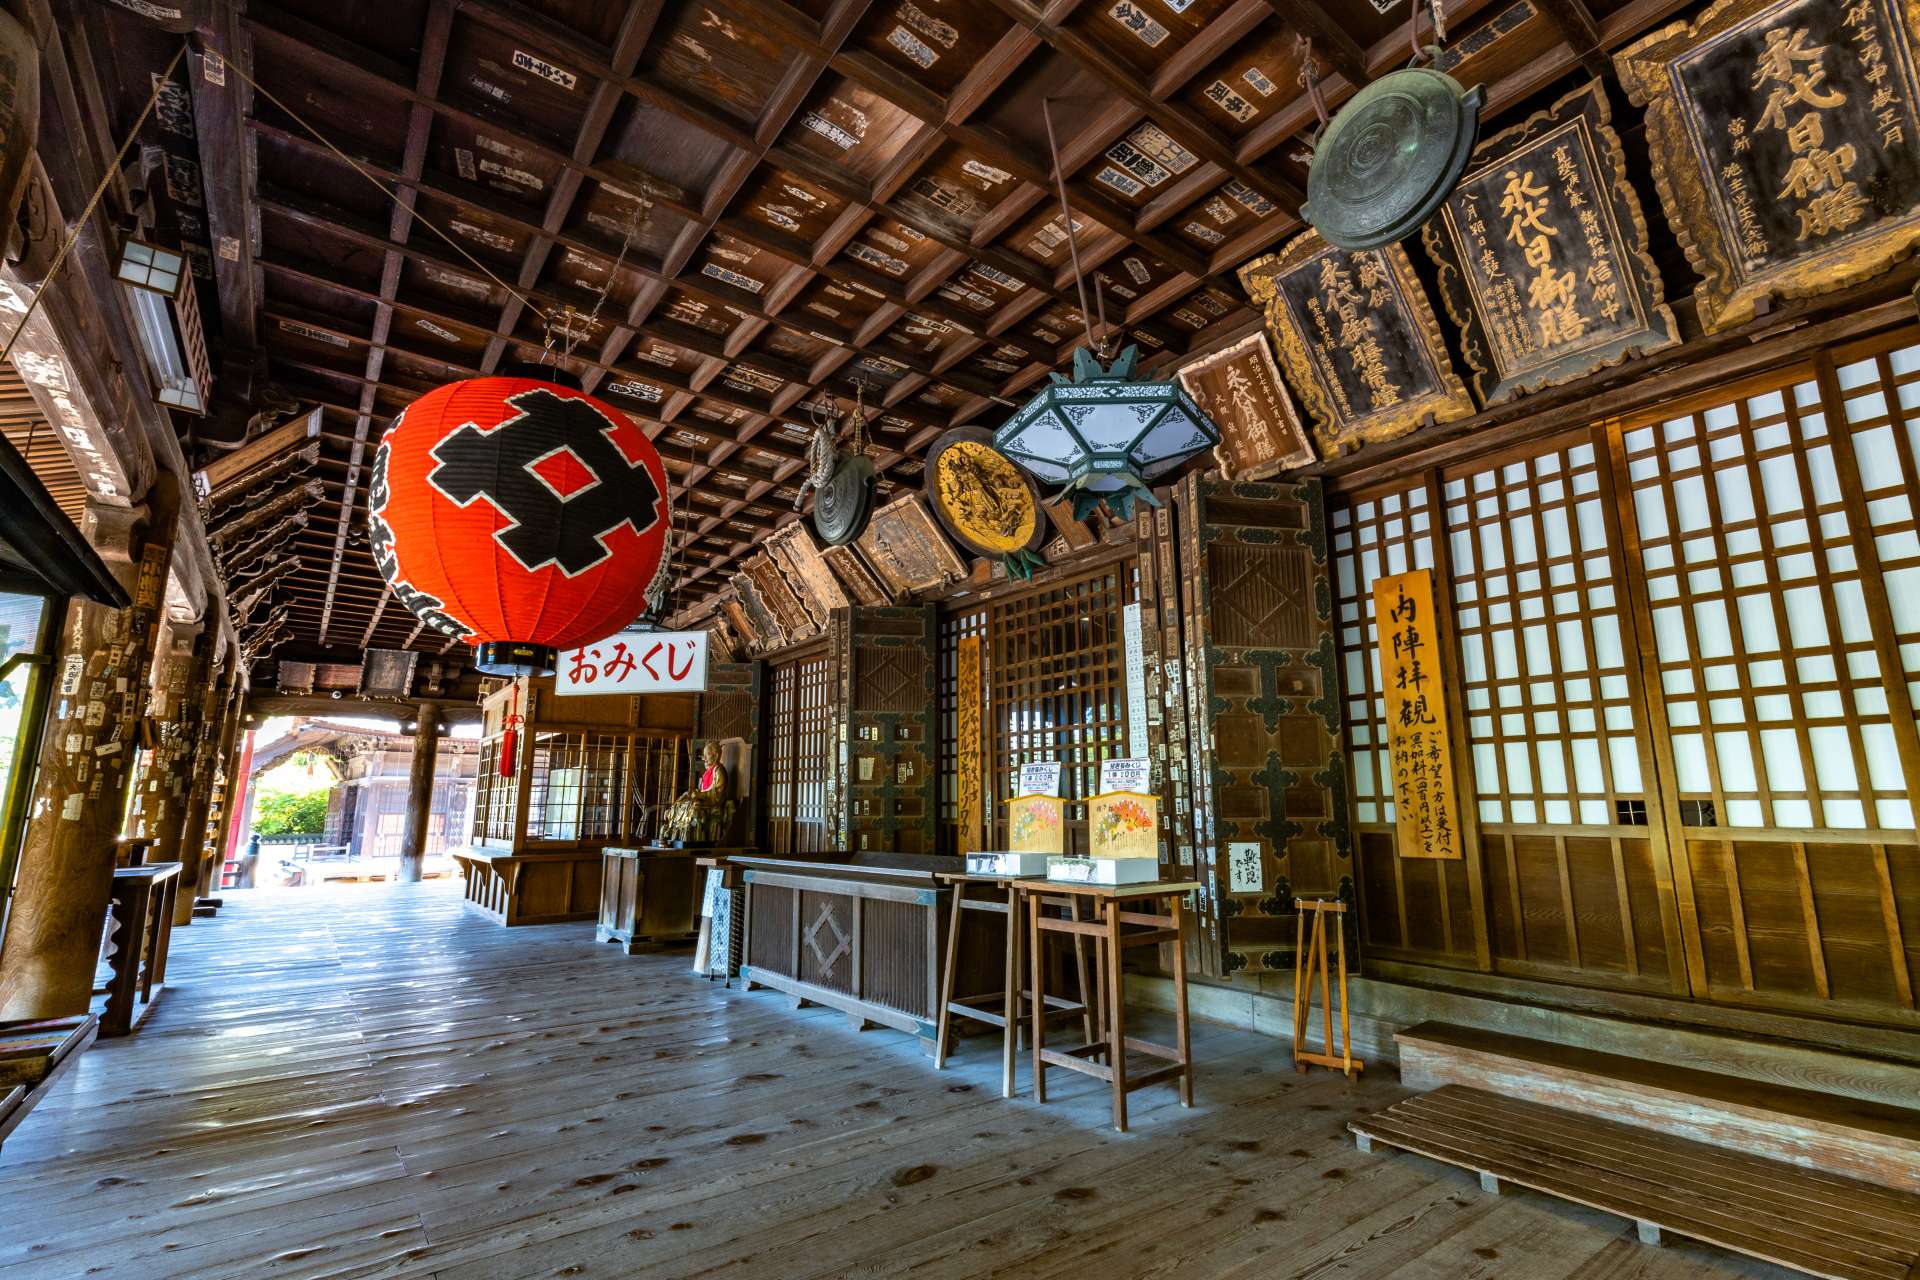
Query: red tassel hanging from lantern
{"x":519,"y":514}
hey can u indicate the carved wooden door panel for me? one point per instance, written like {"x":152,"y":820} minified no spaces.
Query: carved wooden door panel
{"x":1265,"y":750}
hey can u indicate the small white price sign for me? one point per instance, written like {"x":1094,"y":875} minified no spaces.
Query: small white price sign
{"x":1130,"y":774}
{"x":1040,"y":778}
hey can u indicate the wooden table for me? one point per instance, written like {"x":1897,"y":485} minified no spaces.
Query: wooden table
{"x":648,"y":895}
{"x":1115,"y":908}
{"x":1001,"y":898}
{"x":141,"y":909}
{"x":532,"y":888}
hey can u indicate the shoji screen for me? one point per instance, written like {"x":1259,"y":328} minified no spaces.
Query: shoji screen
{"x":1777,"y":638}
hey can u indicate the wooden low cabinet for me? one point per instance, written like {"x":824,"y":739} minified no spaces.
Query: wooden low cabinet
{"x":649,"y":895}
{"x":532,"y":888}
{"x":867,"y":939}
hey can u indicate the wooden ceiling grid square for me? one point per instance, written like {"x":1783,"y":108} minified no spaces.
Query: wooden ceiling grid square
{"x":782,"y":200}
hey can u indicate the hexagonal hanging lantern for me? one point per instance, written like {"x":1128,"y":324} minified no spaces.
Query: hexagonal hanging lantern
{"x":1105,"y":437}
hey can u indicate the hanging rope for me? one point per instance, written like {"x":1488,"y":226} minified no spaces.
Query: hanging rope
{"x":1066,"y":214}
{"x":75,"y":227}
{"x":392,"y":194}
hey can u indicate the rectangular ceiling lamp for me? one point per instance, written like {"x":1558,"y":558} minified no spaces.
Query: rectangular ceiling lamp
{"x":175,"y":343}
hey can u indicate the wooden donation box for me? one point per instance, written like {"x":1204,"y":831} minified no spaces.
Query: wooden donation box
{"x":1123,"y":831}
{"x":650,"y":894}
{"x":865,"y":934}
{"x":531,"y":888}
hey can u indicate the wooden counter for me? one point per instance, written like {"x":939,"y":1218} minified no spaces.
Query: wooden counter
{"x":650,"y":894}
{"x":864,"y":933}
{"x":532,"y":888}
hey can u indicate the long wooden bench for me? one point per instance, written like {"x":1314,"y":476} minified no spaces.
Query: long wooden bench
{"x":33,"y":1055}
{"x":1850,"y":1137}
{"x":1819,"y":1223}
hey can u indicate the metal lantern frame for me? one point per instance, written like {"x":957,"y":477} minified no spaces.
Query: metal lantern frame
{"x":1105,"y":437}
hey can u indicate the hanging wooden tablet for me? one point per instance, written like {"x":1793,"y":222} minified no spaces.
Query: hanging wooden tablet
{"x":779,"y":599}
{"x":1785,"y":138}
{"x":791,"y":548}
{"x":762,"y":622}
{"x":743,"y":624}
{"x":1542,"y":254}
{"x":1260,"y":430}
{"x":1357,"y":339}
{"x":855,"y":577}
{"x":907,"y":551}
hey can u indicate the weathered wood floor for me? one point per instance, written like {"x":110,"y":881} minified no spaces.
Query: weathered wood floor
{"x":366,"y":1081}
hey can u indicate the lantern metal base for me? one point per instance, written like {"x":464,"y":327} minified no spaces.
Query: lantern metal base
{"x":515,"y":658}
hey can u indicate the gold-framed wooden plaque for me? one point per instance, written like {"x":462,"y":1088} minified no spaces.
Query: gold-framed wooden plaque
{"x":1785,"y":137}
{"x":989,"y":505}
{"x":1239,"y":387}
{"x":1542,"y":254}
{"x":1358,"y":340}
{"x":1123,"y":824}
{"x":1036,"y":824}
{"x":1426,"y":807}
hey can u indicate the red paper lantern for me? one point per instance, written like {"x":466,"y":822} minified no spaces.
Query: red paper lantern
{"x":519,"y":514}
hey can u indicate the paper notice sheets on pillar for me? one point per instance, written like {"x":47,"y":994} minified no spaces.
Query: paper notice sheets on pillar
{"x":1542,"y":254}
{"x":1425,"y":808}
{"x":1036,"y":825}
{"x":1785,"y":139}
{"x":1123,"y":830}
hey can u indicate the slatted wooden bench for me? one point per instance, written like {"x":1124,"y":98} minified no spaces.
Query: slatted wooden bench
{"x":1819,"y":1223}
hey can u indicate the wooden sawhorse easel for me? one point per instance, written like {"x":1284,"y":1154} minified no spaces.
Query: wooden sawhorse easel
{"x":1309,"y":963}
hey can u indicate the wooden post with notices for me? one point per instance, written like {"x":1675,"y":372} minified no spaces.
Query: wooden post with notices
{"x":1309,"y":965}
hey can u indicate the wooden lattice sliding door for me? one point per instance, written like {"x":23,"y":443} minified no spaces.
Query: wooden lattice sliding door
{"x":1686,"y":658}
{"x":1776,"y":533}
{"x":799,"y":716}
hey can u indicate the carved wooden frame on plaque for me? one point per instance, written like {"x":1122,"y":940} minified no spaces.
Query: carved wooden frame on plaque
{"x":777,"y":598}
{"x":1260,"y":430}
{"x":756,"y":621}
{"x":1400,"y":325}
{"x":1777,"y":159}
{"x":855,"y":577}
{"x":907,"y":550}
{"x":1554,"y":188}
{"x":792,"y":549}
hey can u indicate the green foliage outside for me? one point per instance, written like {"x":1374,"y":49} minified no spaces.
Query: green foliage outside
{"x":284,"y":813}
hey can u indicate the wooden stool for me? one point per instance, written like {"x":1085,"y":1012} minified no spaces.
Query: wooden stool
{"x":1111,"y":905}
{"x":1002,"y":898}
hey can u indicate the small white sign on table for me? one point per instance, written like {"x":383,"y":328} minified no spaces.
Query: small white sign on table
{"x":635,"y":662}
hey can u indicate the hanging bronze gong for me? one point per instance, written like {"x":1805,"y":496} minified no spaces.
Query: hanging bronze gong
{"x":844,"y":503}
{"x":1390,"y":156}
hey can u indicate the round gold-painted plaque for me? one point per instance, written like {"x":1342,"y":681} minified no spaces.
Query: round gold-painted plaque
{"x":989,"y":505}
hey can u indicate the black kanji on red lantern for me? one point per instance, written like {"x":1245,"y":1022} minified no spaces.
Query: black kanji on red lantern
{"x":563,"y":500}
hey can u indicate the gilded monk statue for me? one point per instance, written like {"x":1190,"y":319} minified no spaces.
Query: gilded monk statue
{"x":703,"y":814}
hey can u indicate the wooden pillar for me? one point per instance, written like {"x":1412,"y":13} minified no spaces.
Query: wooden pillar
{"x":213,"y":726}
{"x":426,"y":749}
{"x":66,"y":861}
{"x":163,"y":774}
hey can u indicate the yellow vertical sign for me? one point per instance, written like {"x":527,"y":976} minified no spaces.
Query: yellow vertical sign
{"x":969,"y":746}
{"x":1417,"y":731}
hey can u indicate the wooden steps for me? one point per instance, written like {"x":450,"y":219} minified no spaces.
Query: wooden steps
{"x":1846,"y":1136}
{"x":1810,"y":1221}
{"x":33,"y":1055}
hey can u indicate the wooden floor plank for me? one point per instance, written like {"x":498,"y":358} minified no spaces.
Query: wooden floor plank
{"x":370,"y":1081}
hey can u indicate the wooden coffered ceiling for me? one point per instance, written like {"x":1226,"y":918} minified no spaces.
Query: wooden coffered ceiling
{"x":743,"y":208}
